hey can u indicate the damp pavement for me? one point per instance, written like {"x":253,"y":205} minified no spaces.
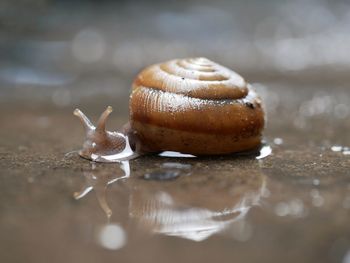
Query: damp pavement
{"x":288,"y":203}
{"x":292,"y":205}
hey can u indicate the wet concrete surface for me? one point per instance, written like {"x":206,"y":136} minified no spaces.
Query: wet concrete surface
{"x":293,"y":205}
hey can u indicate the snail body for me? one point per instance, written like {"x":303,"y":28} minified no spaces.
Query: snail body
{"x":190,"y":106}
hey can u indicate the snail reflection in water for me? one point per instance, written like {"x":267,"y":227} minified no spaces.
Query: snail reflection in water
{"x":173,"y":210}
{"x":99,"y":183}
{"x":177,"y":211}
{"x":192,"y":106}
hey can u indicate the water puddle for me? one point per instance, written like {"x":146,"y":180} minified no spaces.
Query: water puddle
{"x":181,"y":208}
{"x":184,"y":210}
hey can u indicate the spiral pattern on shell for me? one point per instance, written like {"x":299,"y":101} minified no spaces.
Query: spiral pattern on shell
{"x":195,"y":106}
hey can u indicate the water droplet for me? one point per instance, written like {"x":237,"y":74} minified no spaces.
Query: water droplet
{"x":176,"y":155}
{"x":282,"y":209}
{"x":316,"y":182}
{"x":278,"y":141}
{"x":265,"y":151}
{"x":336,"y":148}
{"x":293,"y":208}
{"x":342,"y":149}
{"x":296,"y":208}
{"x":112,"y":237}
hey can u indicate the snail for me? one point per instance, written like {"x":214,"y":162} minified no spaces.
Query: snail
{"x":192,"y":106}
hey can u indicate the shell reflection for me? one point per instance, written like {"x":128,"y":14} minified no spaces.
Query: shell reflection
{"x":196,"y":212}
{"x":195,"y":206}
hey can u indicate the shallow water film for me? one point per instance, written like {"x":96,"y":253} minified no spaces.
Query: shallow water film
{"x":287,"y":202}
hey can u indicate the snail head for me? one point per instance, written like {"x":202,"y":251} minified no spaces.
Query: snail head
{"x":99,"y":142}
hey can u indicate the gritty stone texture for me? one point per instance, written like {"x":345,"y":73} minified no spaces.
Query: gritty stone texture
{"x":291,"y":206}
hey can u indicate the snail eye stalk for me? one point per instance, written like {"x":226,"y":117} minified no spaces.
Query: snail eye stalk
{"x":84,"y":120}
{"x":101,"y":145}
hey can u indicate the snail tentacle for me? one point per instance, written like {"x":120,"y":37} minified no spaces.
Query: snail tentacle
{"x":85,"y":120}
{"x":101,"y":124}
{"x":100,"y":144}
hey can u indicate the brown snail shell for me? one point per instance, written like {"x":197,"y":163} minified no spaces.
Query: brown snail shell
{"x":190,"y":106}
{"x":195,"y":106}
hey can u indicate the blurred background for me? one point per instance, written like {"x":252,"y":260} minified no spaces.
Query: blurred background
{"x":64,"y":53}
